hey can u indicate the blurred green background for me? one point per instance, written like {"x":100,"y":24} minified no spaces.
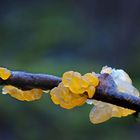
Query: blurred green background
{"x":51,"y":36}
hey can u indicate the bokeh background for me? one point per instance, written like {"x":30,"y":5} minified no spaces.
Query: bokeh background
{"x":51,"y":36}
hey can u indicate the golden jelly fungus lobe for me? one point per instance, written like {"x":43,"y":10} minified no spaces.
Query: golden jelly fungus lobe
{"x":62,"y":96}
{"x":28,"y":95}
{"x":73,"y":80}
{"x":4,"y":73}
{"x":92,"y":79}
{"x":79,"y":84}
{"x":90,"y":91}
{"x":100,"y":113}
{"x":104,"y":111}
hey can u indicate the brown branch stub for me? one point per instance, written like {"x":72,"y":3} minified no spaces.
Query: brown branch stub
{"x":106,"y":91}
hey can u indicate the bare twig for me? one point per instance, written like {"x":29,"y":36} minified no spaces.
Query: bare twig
{"x":27,"y":81}
{"x":106,"y":91}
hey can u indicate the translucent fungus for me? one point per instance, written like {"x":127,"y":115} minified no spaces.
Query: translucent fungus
{"x":103,"y":111}
{"x":92,"y":79}
{"x":4,"y":73}
{"x":65,"y":98}
{"x":100,"y":113}
{"x":79,"y":84}
{"x":74,"y":89}
{"x":73,"y":80}
{"x":29,"y":95}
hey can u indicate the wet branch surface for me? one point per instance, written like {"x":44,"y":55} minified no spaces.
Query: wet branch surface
{"x":106,"y":91}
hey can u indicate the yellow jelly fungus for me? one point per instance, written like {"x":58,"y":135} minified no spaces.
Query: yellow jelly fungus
{"x":28,"y":95}
{"x":72,"y":80}
{"x":4,"y":73}
{"x":93,"y":82}
{"x":74,"y":89}
{"x":92,"y":79}
{"x":65,"y":98}
{"x":121,"y":112}
{"x":90,"y":91}
{"x":79,"y":84}
{"x":101,"y":111}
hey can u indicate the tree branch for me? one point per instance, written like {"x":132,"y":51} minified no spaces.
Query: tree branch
{"x":106,"y":91}
{"x":27,"y":81}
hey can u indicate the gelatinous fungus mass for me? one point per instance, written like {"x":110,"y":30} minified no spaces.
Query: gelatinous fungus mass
{"x":4,"y":73}
{"x":104,"y":111}
{"x":74,"y":89}
{"x":28,"y":95}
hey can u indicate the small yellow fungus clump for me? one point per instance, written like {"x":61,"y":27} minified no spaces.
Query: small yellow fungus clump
{"x":4,"y":73}
{"x":74,"y":89}
{"x":67,"y":99}
{"x":79,"y":84}
{"x":28,"y":95}
{"x":104,"y":111}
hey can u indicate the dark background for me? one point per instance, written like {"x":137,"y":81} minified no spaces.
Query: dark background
{"x":56,"y":36}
